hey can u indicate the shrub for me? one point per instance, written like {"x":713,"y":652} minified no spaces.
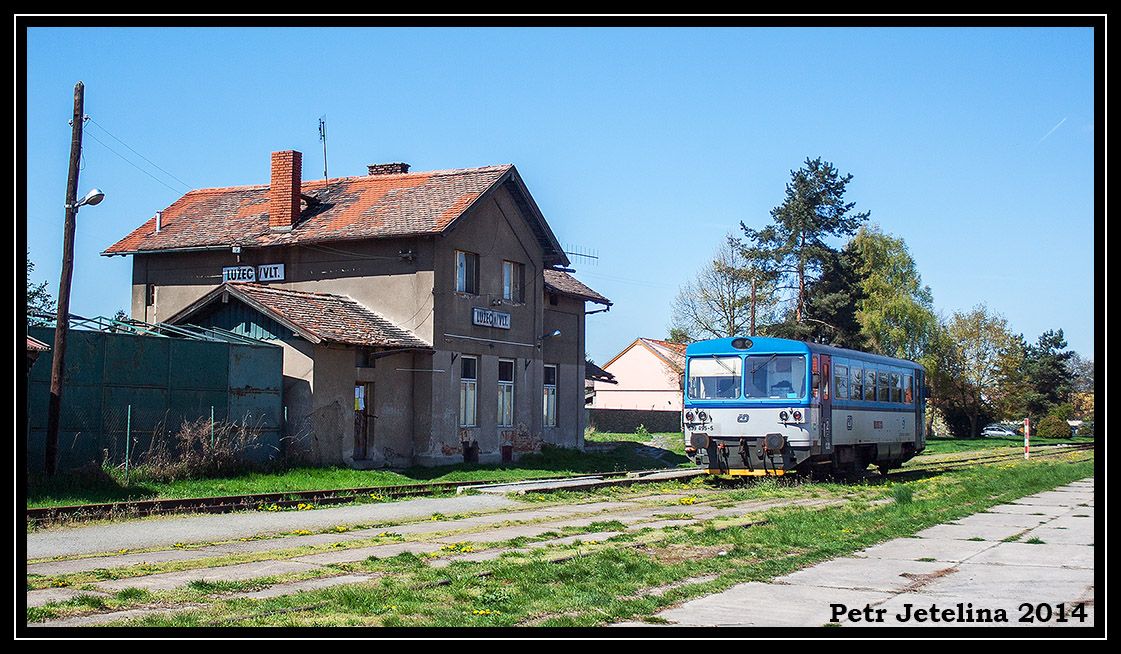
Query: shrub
{"x":194,"y":451}
{"x":1053,"y":427}
{"x":1086,"y":428}
{"x":642,"y":432}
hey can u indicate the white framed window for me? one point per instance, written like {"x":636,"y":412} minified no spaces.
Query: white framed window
{"x":468,"y":391}
{"x":550,"y":398}
{"x":513,"y":281}
{"x":505,"y":392}
{"x":466,"y":272}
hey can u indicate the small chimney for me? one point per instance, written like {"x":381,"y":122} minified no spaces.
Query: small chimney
{"x":388,"y":169}
{"x":284,"y":190}
{"x":159,"y":221}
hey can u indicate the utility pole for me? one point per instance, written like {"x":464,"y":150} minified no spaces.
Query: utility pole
{"x":62,"y":321}
{"x":752,"y":307}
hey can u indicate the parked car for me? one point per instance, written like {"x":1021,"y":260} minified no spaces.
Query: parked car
{"x":998,"y":431}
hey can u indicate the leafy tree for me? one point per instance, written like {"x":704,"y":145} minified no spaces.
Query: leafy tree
{"x":39,"y":299}
{"x":1047,"y":373}
{"x":793,"y":250}
{"x":980,"y":339}
{"x":1081,"y":372}
{"x":1053,"y":427}
{"x":679,"y":336}
{"x":895,"y":310}
{"x":717,"y":303}
{"x":832,"y":301}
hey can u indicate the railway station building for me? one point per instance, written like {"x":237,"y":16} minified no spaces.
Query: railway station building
{"x":426,"y":318}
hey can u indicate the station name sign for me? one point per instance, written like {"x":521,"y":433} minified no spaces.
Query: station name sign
{"x":269,"y":272}
{"x":490,"y":318}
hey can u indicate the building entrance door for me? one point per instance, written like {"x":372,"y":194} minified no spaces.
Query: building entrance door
{"x":364,"y":420}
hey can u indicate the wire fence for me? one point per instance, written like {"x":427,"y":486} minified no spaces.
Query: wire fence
{"x":128,"y":435}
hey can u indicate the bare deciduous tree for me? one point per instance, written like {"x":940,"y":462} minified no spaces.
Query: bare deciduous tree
{"x":717,"y":303}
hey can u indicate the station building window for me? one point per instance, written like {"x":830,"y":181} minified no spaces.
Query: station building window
{"x":550,"y":398}
{"x":468,"y":391}
{"x":505,"y":392}
{"x":466,"y":272}
{"x":513,"y":281}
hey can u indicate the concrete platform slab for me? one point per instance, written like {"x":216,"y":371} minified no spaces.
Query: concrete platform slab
{"x":1044,"y":555}
{"x":915,"y":549}
{"x":242,"y":571}
{"x":1074,"y":520}
{"x":1003,"y":520}
{"x":886,"y":575}
{"x":983,"y":582}
{"x":970,"y":532}
{"x":47,"y":595}
{"x":1030,"y":509}
{"x":165,"y":532}
{"x":1056,"y":499}
{"x":363,"y":553}
{"x":1060,"y":535}
{"x":770,"y":605}
{"x":50,"y":568}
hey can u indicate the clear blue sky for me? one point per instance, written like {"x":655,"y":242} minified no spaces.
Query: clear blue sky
{"x":974,"y":145}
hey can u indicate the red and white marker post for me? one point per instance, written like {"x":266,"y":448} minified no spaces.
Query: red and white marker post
{"x":1027,"y":435}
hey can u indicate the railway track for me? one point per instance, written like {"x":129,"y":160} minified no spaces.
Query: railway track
{"x":291,"y":499}
{"x":258,"y":501}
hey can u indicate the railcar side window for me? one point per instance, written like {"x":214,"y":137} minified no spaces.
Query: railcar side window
{"x":776,"y":376}
{"x":870,"y":385}
{"x":857,"y":383}
{"x":716,"y":378}
{"x":841,"y":382}
{"x":908,"y":386}
{"x":884,"y":394}
{"x":896,"y":387}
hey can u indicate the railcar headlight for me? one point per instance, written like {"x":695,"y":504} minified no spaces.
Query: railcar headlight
{"x":703,"y":416}
{"x":797,"y":416}
{"x":783,"y":416}
{"x":689,"y":416}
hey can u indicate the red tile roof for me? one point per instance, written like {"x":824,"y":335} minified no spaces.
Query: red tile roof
{"x":374,"y":206}
{"x":561,"y":282}
{"x":35,"y":345}
{"x":315,"y":316}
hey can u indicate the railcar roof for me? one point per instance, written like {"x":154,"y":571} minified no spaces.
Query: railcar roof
{"x":769,"y":345}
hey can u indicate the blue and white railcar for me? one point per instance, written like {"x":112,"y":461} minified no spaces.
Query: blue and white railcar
{"x":770,"y":406}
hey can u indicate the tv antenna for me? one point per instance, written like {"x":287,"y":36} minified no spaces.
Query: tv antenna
{"x":323,"y":139}
{"x":587,"y":255}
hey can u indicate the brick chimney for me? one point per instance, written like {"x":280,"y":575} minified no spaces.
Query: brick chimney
{"x":284,"y":190}
{"x":387,"y":168}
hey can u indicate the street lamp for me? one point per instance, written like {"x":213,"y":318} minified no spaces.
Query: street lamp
{"x":95,"y":196}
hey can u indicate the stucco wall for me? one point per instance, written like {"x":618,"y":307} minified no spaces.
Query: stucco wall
{"x":644,"y":382}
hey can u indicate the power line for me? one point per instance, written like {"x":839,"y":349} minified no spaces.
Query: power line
{"x":102,"y":128}
{"x":126,"y":160}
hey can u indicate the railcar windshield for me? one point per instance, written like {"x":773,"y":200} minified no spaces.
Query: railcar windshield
{"x":715,"y":378}
{"x":776,"y":376}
